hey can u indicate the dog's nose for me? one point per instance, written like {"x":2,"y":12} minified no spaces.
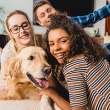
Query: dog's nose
{"x":47,"y":69}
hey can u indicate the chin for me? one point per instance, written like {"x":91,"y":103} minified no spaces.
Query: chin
{"x":60,"y":61}
{"x":25,"y":43}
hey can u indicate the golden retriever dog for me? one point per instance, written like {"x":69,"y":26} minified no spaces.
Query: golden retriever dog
{"x":24,"y":70}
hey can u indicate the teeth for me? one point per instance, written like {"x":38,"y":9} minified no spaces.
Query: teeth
{"x":23,"y":37}
{"x":59,"y":54}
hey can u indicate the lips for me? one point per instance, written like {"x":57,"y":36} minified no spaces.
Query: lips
{"x":49,"y":20}
{"x":24,"y":36}
{"x":59,"y":55}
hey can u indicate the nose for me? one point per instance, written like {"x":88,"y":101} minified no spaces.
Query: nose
{"x":21,"y":29}
{"x":47,"y":69}
{"x":49,"y":15}
{"x":57,"y":47}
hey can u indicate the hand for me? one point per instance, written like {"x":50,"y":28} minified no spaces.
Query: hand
{"x":48,"y":91}
{"x":107,"y":62}
{"x":61,"y":82}
{"x":3,"y":84}
{"x":56,"y":97}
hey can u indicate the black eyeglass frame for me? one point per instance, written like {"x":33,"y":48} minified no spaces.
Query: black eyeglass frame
{"x":21,"y":26}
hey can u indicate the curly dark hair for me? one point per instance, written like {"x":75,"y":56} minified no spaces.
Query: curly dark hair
{"x":81,"y":42}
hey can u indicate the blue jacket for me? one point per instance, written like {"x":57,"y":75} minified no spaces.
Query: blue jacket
{"x":92,"y":18}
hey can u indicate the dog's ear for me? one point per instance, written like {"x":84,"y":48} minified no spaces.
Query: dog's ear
{"x":14,"y":68}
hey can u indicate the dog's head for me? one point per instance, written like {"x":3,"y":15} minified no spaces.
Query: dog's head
{"x":31,"y":62}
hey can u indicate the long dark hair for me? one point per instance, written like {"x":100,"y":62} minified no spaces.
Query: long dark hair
{"x":81,"y":42}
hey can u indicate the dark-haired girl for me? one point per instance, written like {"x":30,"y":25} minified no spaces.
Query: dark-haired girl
{"x":81,"y":57}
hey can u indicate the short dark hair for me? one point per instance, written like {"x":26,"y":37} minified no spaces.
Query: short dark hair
{"x":81,"y":42}
{"x":39,"y":4}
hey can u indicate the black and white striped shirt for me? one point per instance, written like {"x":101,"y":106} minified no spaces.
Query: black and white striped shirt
{"x":88,"y":84}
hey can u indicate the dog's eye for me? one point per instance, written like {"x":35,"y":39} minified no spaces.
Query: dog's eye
{"x":31,"y":58}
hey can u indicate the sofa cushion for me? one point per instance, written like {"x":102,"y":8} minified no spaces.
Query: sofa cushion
{"x":19,"y":105}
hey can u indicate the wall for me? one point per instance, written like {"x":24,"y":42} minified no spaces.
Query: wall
{"x":101,"y":24}
{"x":27,"y":6}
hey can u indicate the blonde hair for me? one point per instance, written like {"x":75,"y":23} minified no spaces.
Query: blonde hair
{"x":8,"y":30}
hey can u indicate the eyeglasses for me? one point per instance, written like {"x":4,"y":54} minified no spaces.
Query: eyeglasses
{"x":16,"y":29}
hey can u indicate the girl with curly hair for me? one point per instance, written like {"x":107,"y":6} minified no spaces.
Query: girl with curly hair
{"x":81,"y":57}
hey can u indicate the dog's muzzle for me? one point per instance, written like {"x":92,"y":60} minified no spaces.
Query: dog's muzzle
{"x":34,"y":81}
{"x":41,"y":82}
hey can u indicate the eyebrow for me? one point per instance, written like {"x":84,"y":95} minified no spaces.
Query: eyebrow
{"x":49,"y":8}
{"x":14,"y":26}
{"x":46,"y":10}
{"x":59,"y":38}
{"x":21,"y":24}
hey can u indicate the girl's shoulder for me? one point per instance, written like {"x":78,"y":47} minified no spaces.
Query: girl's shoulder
{"x":7,"y":53}
{"x":8,"y":47}
{"x":8,"y":50}
{"x":77,"y":59}
{"x":10,"y":43}
{"x":77,"y":62}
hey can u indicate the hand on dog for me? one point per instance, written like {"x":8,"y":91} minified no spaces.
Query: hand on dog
{"x":107,"y":62}
{"x":61,"y":82}
{"x":48,"y":91}
{"x":3,"y":84}
{"x":55,"y":96}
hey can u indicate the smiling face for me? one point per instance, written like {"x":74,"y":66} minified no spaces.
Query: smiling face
{"x":44,"y":14}
{"x":24,"y":37}
{"x":59,"y":42}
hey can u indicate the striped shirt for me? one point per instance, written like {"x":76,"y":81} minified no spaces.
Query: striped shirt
{"x":88,"y":84}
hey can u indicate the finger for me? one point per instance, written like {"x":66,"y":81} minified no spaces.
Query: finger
{"x":39,"y":94}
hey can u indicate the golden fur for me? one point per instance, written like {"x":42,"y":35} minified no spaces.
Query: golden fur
{"x":31,"y":60}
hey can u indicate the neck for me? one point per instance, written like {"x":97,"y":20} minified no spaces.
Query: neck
{"x":75,"y":57}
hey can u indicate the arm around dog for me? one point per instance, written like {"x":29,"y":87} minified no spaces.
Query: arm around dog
{"x":59,"y":100}
{"x":56,"y":97}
